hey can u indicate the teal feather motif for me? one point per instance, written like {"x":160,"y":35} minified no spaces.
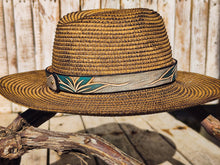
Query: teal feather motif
{"x":78,"y":84}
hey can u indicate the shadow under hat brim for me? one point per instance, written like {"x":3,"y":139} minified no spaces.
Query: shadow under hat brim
{"x":190,"y":89}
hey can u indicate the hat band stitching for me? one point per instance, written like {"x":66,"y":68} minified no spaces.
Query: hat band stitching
{"x":111,"y":83}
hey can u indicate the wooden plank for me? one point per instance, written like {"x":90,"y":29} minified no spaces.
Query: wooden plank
{"x":67,"y":6}
{"x":67,"y":123}
{"x":90,"y":4}
{"x":11,"y":43}
{"x":152,"y":146}
{"x":10,"y":36}
{"x":189,"y":143}
{"x":126,"y":4}
{"x":24,"y":35}
{"x":38,"y":156}
{"x":182,"y":34}
{"x":199,"y":36}
{"x":150,"y":4}
{"x":5,"y":104}
{"x":37,"y":35}
{"x":166,"y":8}
{"x":113,"y":4}
{"x":213,"y":51}
{"x":107,"y":128}
{"x":6,"y":119}
{"x":3,"y":50}
{"x":48,"y":16}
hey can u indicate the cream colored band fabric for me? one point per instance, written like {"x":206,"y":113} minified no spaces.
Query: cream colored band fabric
{"x":112,"y":83}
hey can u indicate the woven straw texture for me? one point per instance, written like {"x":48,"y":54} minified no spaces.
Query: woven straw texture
{"x":109,"y":42}
{"x":103,"y":42}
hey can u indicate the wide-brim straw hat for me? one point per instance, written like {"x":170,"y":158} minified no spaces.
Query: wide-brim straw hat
{"x":110,"y":62}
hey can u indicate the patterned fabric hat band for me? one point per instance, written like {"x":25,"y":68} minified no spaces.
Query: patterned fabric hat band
{"x":111,"y":83}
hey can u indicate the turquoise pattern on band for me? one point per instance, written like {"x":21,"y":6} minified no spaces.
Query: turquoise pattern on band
{"x":112,"y":83}
{"x":78,"y":85}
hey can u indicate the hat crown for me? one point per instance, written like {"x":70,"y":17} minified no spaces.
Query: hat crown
{"x":110,"y":41}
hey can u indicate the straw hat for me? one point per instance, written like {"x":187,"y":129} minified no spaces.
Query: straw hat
{"x":110,"y":62}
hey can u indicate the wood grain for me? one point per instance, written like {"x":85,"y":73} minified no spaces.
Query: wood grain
{"x":90,"y":4}
{"x":126,"y":4}
{"x":24,"y":35}
{"x":114,"y":4}
{"x":48,"y":18}
{"x":213,"y":45}
{"x":166,"y":8}
{"x":10,"y":36}
{"x":189,"y":143}
{"x":150,"y":4}
{"x":182,"y":34}
{"x":67,"y":6}
{"x":4,"y":104}
{"x":199,"y":36}
{"x":148,"y":141}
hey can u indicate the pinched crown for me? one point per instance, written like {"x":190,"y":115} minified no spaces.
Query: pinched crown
{"x":110,"y":41}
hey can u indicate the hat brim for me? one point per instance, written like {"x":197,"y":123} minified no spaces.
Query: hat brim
{"x":190,"y":89}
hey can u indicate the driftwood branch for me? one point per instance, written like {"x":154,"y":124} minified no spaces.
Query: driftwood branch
{"x":27,"y":118}
{"x":212,"y":126}
{"x":15,"y":144}
{"x":20,"y":136}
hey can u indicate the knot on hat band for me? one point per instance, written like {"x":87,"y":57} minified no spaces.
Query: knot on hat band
{"x":111,"y":83}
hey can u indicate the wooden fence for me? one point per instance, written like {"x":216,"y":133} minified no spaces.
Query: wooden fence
{"x":27,"y":29}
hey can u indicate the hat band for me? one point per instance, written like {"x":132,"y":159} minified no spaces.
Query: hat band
{"x":111,"y":83}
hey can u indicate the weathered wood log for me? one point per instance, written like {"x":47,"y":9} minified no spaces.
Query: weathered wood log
{"x":15,"y":144}
{"x":29,"y":117}
{"x":212,"y":126}
{"x":20,"y":136}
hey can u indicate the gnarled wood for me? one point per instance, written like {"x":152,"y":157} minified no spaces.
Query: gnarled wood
{"x":20,"y":136}
{"x":15,"y":144}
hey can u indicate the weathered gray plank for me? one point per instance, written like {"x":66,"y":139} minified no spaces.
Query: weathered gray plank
{"x":182,"y":34}
{"x":150,"y":4}
{"x":189,"y":143}
{"x":67,"y":6}
{"x":199,"y":36}
{"x":166,"y":8}
{"x":149,"y":143}
{"x":24,"y":35}
{"x":10,"y":36}
{"x":37,"y":34}
{"x":3,"y":50}
{"x":6,"y":119}
{"x":213,"y":50}
{"x":5,"y":104}
{"x":126,"y":4}
{"x":90,"y":4}
{"x":114,"y":4}
{"x":48,"y":17}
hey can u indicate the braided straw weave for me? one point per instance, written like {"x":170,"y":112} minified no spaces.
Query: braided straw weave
{"x":103,"y":42}
{"x":110,"y":42}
